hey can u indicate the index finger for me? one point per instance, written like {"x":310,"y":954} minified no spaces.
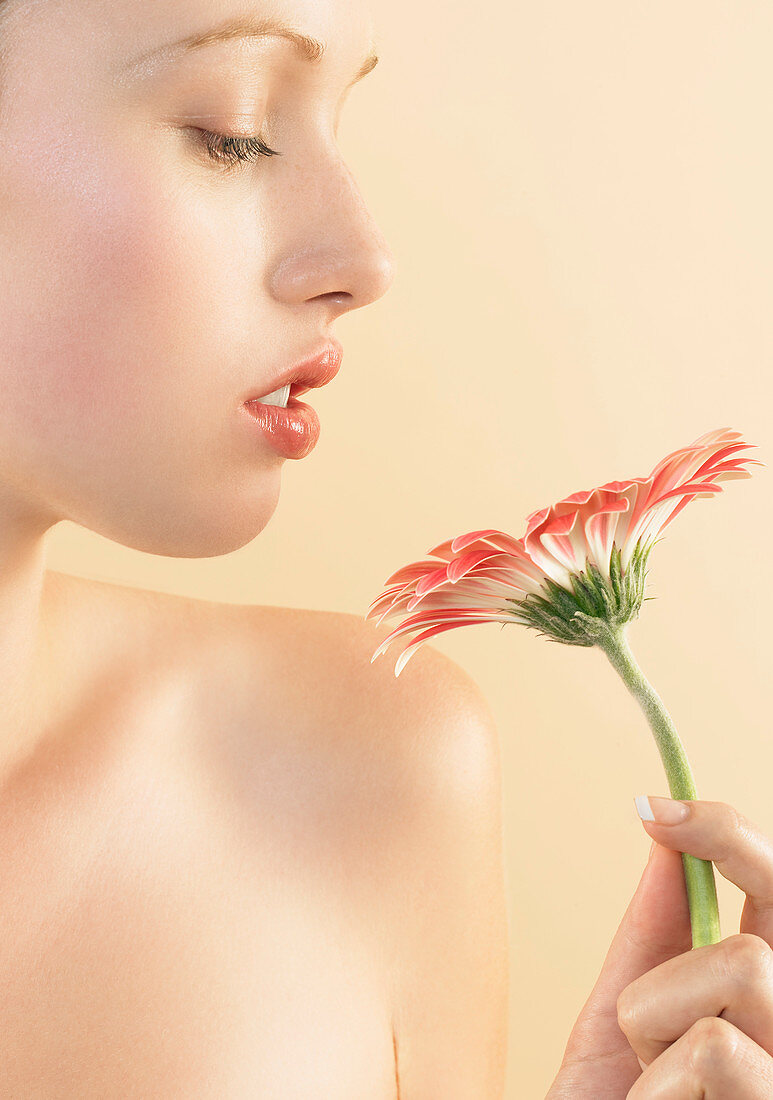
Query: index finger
{"x":739,"y":849}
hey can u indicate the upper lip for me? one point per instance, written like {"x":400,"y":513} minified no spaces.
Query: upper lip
{"x":311,"y":373}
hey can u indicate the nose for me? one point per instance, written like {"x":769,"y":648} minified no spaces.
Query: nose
{"x":338,"y":257}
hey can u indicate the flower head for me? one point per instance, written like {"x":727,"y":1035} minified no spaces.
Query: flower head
{"x":579,"y":567}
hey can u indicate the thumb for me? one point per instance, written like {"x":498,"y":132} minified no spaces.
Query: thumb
{"x":654,"y":928}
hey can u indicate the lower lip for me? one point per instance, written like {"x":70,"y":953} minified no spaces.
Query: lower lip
{"x":292,"y":432}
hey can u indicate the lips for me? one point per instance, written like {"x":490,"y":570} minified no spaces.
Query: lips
{"x":311,"y":373}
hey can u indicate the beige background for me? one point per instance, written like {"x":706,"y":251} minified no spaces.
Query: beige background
{"x":578,"y":199}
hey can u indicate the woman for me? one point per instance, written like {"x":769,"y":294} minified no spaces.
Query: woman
{"x":238,"y":859}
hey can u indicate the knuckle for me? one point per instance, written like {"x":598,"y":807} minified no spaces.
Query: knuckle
{"x":748,"y":957}
{"x":734,"y":817}
{"x":711,"y":1043}
{"x":627,"y":1007}
{"x":738,"y":826}
{"x":729,"y":827}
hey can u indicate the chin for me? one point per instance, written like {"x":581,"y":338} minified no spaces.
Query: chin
{"x":205,"y":527}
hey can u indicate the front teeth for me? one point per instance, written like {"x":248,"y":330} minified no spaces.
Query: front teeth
{"x":278,"y":397}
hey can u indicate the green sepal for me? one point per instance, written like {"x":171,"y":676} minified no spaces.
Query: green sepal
{"x":594,"y":604}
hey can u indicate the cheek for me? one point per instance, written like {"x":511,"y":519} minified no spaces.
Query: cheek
{"x":132,"y":275}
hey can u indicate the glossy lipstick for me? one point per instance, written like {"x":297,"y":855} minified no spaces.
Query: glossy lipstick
{"x":293,"y":431}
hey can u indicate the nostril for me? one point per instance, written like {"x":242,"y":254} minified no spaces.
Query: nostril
{"x":340,"y":297}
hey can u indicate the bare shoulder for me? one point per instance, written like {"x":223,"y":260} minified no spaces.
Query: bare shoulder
{"x":304,"y":674}
{"x":300,"y":683}
{"x":321,"y":661}
{"x":438,"y":828}
{"x":412,"y":790}
{"x":390,"y":786}
{"x":107,"y":632}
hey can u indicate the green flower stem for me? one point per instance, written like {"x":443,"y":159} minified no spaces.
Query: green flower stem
{"x":698,"y":873}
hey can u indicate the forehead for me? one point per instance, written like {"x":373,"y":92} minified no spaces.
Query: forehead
{"x":122,"y":32}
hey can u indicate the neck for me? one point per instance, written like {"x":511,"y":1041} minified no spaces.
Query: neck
{"x":25,"y":672}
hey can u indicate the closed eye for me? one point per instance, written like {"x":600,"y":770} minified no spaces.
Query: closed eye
{"x":229,"y":150}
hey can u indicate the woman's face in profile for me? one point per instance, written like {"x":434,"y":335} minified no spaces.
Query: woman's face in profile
{"x":152,"y":280}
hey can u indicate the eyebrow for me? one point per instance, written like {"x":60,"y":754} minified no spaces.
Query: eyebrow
{"x":250,"y":26}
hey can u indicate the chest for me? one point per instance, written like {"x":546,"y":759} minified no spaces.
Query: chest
{"x":155,"y":946}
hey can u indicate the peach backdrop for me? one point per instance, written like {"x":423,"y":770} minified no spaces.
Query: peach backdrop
{"x":578,"y":200}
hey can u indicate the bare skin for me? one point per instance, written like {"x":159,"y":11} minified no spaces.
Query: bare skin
{"x":199,"y":894}
{"x":213,"y":829}
{"x":665,"y":1019}
{"x":242,"y":861}
{"x":180,"y":919}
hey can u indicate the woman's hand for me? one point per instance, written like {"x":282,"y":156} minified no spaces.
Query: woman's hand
{"x":700,"y":1019}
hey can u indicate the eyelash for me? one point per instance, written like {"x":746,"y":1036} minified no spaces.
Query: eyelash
{"x":234,"y":150}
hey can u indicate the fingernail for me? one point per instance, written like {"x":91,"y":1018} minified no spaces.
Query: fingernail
{"x":663,"y":811}
{"x":642,"y":1064}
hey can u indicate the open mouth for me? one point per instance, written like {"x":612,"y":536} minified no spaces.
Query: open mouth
{"x":281,"y":397}
{"x":276,"y":397}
